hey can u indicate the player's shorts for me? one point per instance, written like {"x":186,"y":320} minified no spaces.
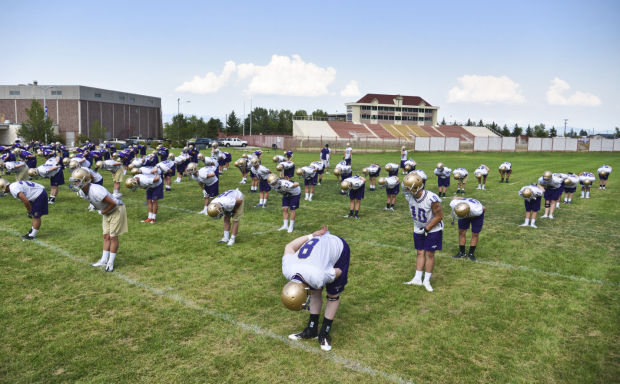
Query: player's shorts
{"x":172,"y":171}
{"x":402,"y":164}
{"x":558,"y":193}
{"x":393,"y":173}
{"x":476,"y":223}
{"x":263,"y":186}
{"x":601,"y":177}
{"x":550,"y":193}
{"x":311,"y":181}
{"x":570,"y":189}
{"x":239,"y":212}
{"x":342,"y":263}
{"x":393,"y":191}
{"x":431,"y":242}
{"x":443,"y":182}
{"x":357,"y":194}
{"x":325,"y":162}
{"x":31,"y":163}
{"x":118,"y":175}
{"x":289,"y":172}
{"x":252,"y":175}
{"x":155,"y":193}
{"x":228,"y":158}
{"x":376,"y":174}
{"x":320,"y":172}
{"x":533,"y":205}
{"x":347,"y":161}
{"x":59,"y":178}
{"x":211,"y":190}
{"x":39,"y":205}
{"x":291,"y":201}
{"x":181,"y":168}
{"x":221,"y":162}
{"x":345,"y":175}
{"x":115,"y":222}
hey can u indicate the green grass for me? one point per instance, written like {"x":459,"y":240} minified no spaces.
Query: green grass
{"x":540,"y":306}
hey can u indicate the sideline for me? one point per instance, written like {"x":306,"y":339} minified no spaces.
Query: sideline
{"x":349,"y":364}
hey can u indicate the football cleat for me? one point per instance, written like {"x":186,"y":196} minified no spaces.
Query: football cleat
{"x":27,"y":236}
{"x":533,"y":225}
{"x":306,"y":334}
{"x":283,"y":228}
{"x":223,"y":240}
{"x":230,"y":242}
{"x":458,"y":255}
{"x":325,"y":343}
{"x":427,"y":285}
{"x":414,"y":281}
{"x":471,"y":257}
{"x":524,"y":225}
{"x":148,"y":220}
{"x":109,"y":268}
{"x":100,"y":263}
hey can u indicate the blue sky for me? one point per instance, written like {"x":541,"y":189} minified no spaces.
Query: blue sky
{"x":531,"y":62}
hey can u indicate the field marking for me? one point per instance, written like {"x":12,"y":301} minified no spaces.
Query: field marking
{"x":166,"y":292}
{"x":501,"y":265}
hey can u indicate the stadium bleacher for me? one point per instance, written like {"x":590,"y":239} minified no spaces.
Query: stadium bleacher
{"x":379,"y":131}
{"x":480,"y":131}
{"x":313,"y":129}
{"x":455,"y":131}
{"x":432,"y":131}
{"x":346,"y":130}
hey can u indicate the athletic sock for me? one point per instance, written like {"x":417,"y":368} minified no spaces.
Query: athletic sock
{"x":587,"y":194}
{"x":350,"y":212}
{"x":291,"y":225}
{"x":472,"y":249}
{"x":33,"y":232}
{"x":326,"y":326}
{"x":427,"y":277}
{"x":533,"y":222}
{"x":391,"y":205}
{"x":418,"y":275}
{"x":232,"y":238}
{"x":313,"y":323}
{"x":111,"y":259}
{"x":285,"y":223}
{"x":105,"y":255}
{"x":462,"y":248}
{"x":306,"y":196}
{"x":387,"y":206}
{"x":226,"y":235}
{"x":154,"y":216}
{"x":526,"y":220}
{"x":356,"y":212}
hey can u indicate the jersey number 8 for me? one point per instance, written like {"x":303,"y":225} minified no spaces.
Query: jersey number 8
{"x":306,"y":249}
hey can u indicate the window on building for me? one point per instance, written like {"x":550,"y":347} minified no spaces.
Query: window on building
{"x":98,"y":95}
{"x":121,"y":98}
{"x":374,"y":107}
{"x":14,"y":93}
{"x":56,"y":93}
{"x":132,"y":99}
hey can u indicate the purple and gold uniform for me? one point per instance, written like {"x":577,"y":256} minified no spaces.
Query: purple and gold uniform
{"x":475,"y":217}
{"x":358,"y":185}
{"x":154,"y":189}
{"x":34,"y":193}
{"x":443,"y":176}
{"x":291,"y":193}
{"x":532,"y":203}
{"x":288,"y":169}
{"x":207,"y":177}
{"x":309,"y":173}
{"x":409,"y":165}
{"x":422,"y":214}
{"x":392,"y":169}
{"x":261,"y":172}
{"x":392,"y":185}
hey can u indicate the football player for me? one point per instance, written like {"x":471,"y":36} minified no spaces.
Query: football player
{"x":348,"y":154}
{"x":18,"y":167}
{"x":320,"y":169}
{"x":532,"y":194}
{"x":116,"y":168}
{"x":481,"y":174}
{"x":111,"y":208}
{"x":28,"y":157}
{"x":168,"y":170}
{"x":586,"y":179}
{"x":309,"y":174}
{"x":181,"y":162}
{"x":230,"y":205}
{"x":427,"y":227}
{"x":443,"y":178}
{"x":48,"y":172}
{"x":551,"y":187}
{"x":153,"y":185}
{"x":242,"y":164}
{"x":261,"y":173}
{"x":207,"y":178}
{"x":289,"y":155}
{"x":372,"y":171}
{"x":562,"y":177}
{"x":95,"y":176}
{"x":410,"y":165}
{"x":355,"y":185}
{"x":287,"y":168}
{"x":392,"y":187}
{"x":422,"y":174}
{"x":291,"y":193}
{"x":505,"y":170}
{"x":251,"y":161}
{"x":325,"y":156}
{"x":392,"y":169}
{"x":468,"y":212}
{"x":460,"y":175}
{"x":570,"y":187}
{"x":343,"y":171}
{"x":57,"y":177}
{"x":403,"y":158}
{"x":603,"y":175}
{"x":310,"y":263}
{"x":278,"y":159}
{"x":34,"y":198}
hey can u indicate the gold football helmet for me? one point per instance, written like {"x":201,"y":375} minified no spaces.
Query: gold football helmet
{"x":245,"y":155}
{"x":478,"y":176}
{"x":295,"y":295}
{"x":191,"y":169}
{"x":131,"y":183}
{"x":171,"y":157}
{"x":567,"y":181}
{"x":275,"y":159}
{"x":71,"y":156}
{"x":402,"y":148}
{"x":272,"y":178}
{"x":39,"y":152}
{"x":348,"y":144}
{"x":299,"y":172}
{"x":502,"y":167}
{"x":135,"y":171}
{"x":17,"y":151}
{"x":413,"y":182}
{"x":215,"y":144}
{"x":527,"y":193}
{"x":408,"y":167}
{"x":365,"y":171}
{"x":33,"y":172}
{"x":279,"y":167}
{"x":461,"y":210}
{"x":457,"y":176}
{"x":381,"y":181}
{"x":587,"y":182}
{"x":547,"y":175}
{"x":388,"y":167}
{"x":337,"y":171}
{"x":98,"y":164}
{"x":603,"y":173}
{"x":215,"y":210}
{"x":345,"y":185}
{"x":66,"y":161}
{"x":255,"y":162}
{"x":79,"y":178}
{"x":201,"y":157}
{"x":131,"y":166}
{"x":3,"y":185}
{"x":73,"y":164}
{"x":440,"y":165}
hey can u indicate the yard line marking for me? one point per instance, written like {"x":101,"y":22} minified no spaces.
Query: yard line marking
{"x":349,"y":364}
{"x":501,"y":265}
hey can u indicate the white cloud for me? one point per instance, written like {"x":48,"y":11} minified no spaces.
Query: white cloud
{"x":211,"y":83}
{"x":283,"y":75}
{"x":486,"y":90}
{"x":555,"y":95}
{"x":351,"y":90}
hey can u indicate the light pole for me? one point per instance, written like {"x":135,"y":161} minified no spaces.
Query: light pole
{"x":565,"y":120}
{"x":45,"y":105}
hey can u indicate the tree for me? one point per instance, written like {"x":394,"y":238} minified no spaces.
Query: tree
{"x":178,"y":131}
{"x":469,"y":123}
{"x":529,"y":132}
{"x":517,"y":131}
{"x":540,"y":131}
{"x":37,"y":126}
{"x":583,"y":132}
{"x":617,"y":134}
{"x":214,"y":126}
{"x":301,"y":113}
{"x":97,"y":132}
{"x":285,"y":122}
{"x":480,"y":123}
{"x":553,"y":132}
{"x":319,"y":114}
{"x":443,"y":121}
{"x":233,"y":124}
{"x":505,"y":131}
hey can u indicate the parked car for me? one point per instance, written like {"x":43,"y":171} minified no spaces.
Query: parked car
{"x":232,"y":142}
{"x":201,"y":143}
{"x":134,"y":140}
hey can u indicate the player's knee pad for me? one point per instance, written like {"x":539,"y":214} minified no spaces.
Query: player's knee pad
{"x":333,"y":298}
{"x":547,"y":204}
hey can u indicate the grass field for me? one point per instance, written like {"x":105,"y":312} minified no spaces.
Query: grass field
{"x":539,"y":306}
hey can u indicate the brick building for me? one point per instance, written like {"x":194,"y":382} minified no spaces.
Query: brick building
{"x":75,"y":108}
{"x":377,"y":108}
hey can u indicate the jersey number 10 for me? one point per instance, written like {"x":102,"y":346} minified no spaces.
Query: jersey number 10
{"x":421,"y":215}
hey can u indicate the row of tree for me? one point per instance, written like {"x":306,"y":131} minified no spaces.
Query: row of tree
{"x":539,"y":130}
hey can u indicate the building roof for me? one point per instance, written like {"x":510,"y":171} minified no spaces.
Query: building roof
{"x":389,"y":99}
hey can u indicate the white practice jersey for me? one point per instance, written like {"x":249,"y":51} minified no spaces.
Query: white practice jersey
{"x":28,"y":188}
{"x":314,"y":261}
{"x":536,"y":192}
{"x":261,"y":172}
{"x":391,"y":167}
{"x":209,"y":161}
{"x":420,"y":173}
{"x":481,"y":171}
{"x":410,"y":162}
{"x":111,"y":165}
{"x":308,"y":172}
{"x":182,"y":158}
{"x":403,"y":155}
{"x":287,"y":187}
{"x":506,"y":164}
{"x":227,"y":199}
{"x":586,"y":176}
{"x":48,"y":171}
{"x":287,"y":164}
{"x":94,"y":175}
{"x":554,"y":182}
{"x":82,"y":161}
{"x":52,"y":161}
{"x":147,"y":181}
{"x":604,"y":168}
{"x":573,"y":180}
{"x":561,"y":176}
{"x":203,"y":176}
{"x":279,"y":158}
{"x":373,"y":168}
{"x":96,"y":195}
{"x":149,"y":170}
{"x":165,"y":166}
{"x":356,"y":182}
{"x":475,"y":207}
{"x":442,"y":174}
{"x":318,"y":165}
{"x":421,"y":211}
{"x":14,"y":166}
{"x":137,"y":162}
{"x":460,"y":173}
{"x":347,"y":152}
{"x":391,"y":182}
